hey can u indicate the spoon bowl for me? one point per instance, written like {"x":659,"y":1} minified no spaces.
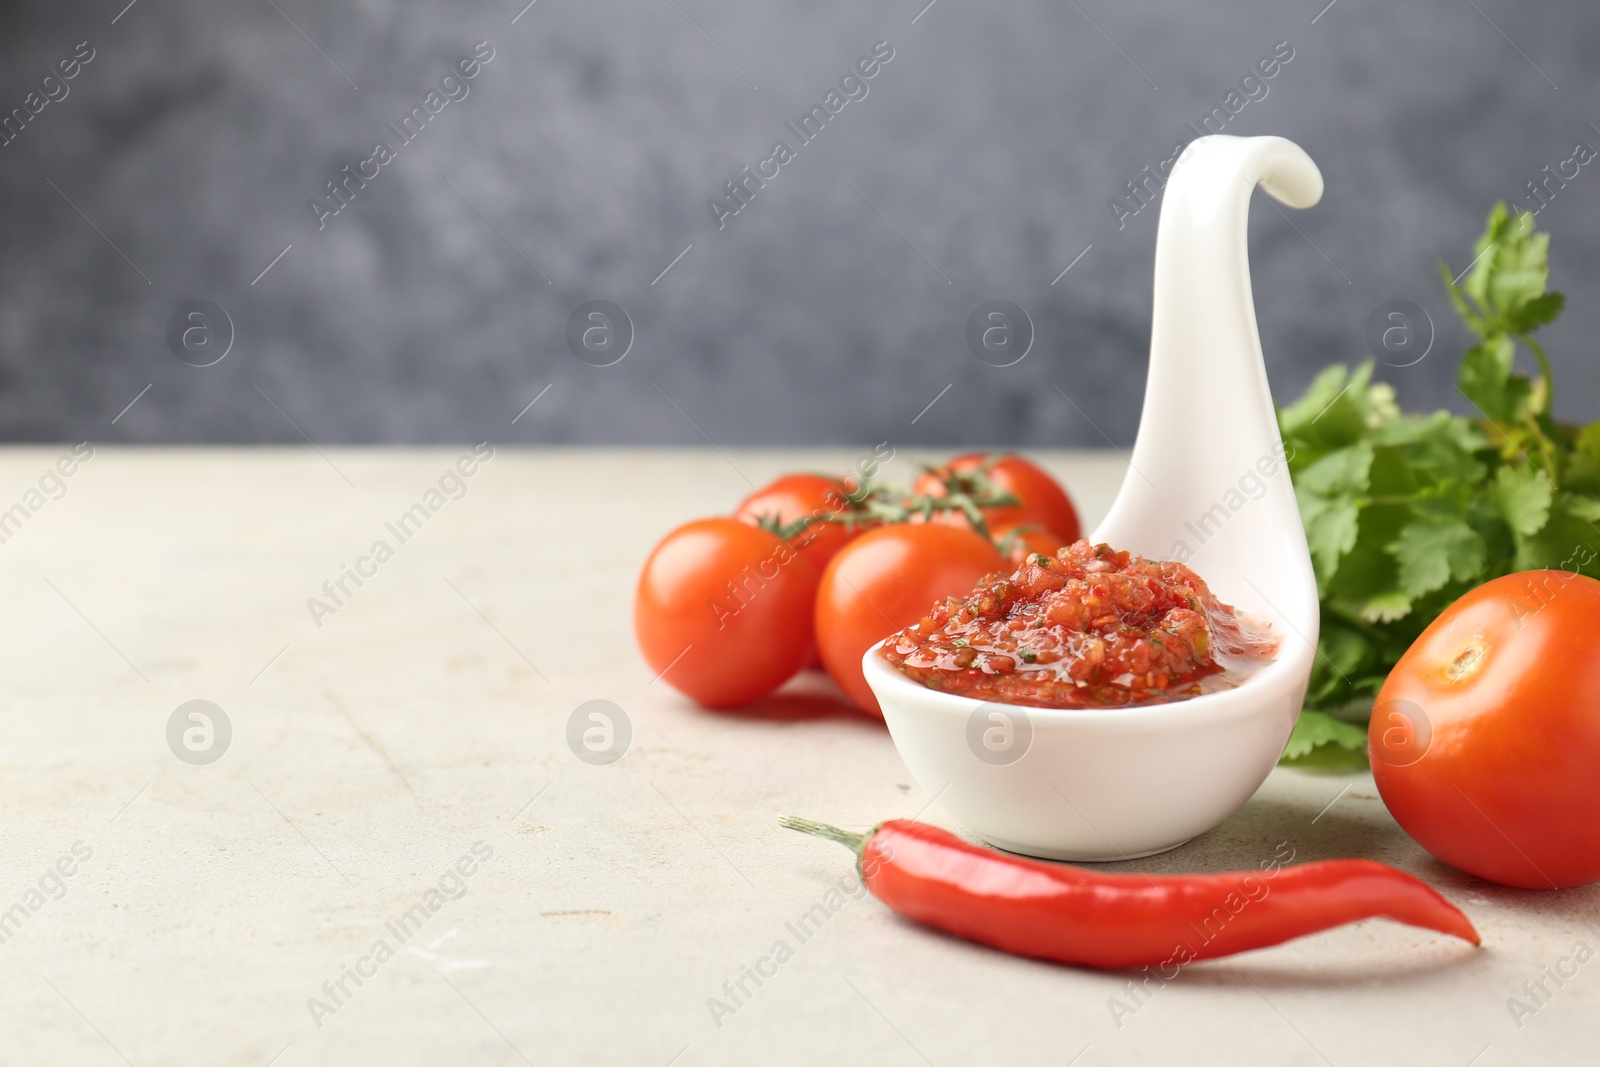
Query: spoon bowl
{"x":1207,"y":485}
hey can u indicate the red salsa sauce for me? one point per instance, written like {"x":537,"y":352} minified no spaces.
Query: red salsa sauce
{"x":1090,"y":627}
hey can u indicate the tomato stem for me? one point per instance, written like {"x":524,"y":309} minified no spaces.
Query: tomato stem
{"x":868,"y":505}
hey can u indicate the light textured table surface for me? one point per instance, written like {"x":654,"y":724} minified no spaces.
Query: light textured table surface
{"x":428,"y":713}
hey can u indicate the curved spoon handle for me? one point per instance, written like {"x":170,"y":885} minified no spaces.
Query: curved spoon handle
{"x":1208,"y":417}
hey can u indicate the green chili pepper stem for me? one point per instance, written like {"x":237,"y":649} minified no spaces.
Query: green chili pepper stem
{"x":854,"y":842}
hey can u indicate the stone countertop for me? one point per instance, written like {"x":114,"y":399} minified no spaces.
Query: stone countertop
{"x":398,"y":858}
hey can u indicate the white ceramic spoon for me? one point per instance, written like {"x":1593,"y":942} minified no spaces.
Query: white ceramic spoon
{"x":1207,"y":485}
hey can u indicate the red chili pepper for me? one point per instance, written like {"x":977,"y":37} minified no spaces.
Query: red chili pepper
{"x":1072,"y":915}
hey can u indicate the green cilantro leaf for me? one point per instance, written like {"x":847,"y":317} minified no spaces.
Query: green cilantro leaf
{"x":1385,"y":607}
{"x":1582,"y":508}
{"x":1519,"y":269}
{"x":1567,"y":542}
{"x":1539,"y":311}
{"x":1522,"y":496}
{"x":1486,"y":379}
{"x":1330,"y":532}
{"x":1315,"y":728}
{"x":1333,"y":413}
{"x":1344,"y":470}
{"x":1432,"y":552}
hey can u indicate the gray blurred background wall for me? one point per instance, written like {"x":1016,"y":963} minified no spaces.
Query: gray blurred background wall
{"x":182,"y":158}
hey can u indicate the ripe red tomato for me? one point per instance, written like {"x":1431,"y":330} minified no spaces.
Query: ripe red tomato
{"x":1486,"y":735}
{"x":1028,"y":539}
{"x":724,"y":609}
{"x":795,"y":496}
{"x":885,"y":580}
{"x":1043,"y":501}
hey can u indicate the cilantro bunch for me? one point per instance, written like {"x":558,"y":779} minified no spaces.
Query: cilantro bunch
{"x":1406,"y":512}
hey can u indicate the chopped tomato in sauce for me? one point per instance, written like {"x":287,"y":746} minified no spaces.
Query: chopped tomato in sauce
{"x":1090,"y":627}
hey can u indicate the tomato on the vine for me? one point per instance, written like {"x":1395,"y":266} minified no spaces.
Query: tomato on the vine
{"x":1041,"y":500}
{"x":724,"y":610}
{"x":798,"y":496}
{"x":885,"y":580}
{"x":1486,"y":735}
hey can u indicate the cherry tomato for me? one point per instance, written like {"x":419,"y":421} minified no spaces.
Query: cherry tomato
{"x":885,"y":580}
{"x":795,"y":496}
{"x":1043,"y":501}
{"x":724,"y":609}
{"x":1485,"y":737}
{"x":1026,"y":539}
